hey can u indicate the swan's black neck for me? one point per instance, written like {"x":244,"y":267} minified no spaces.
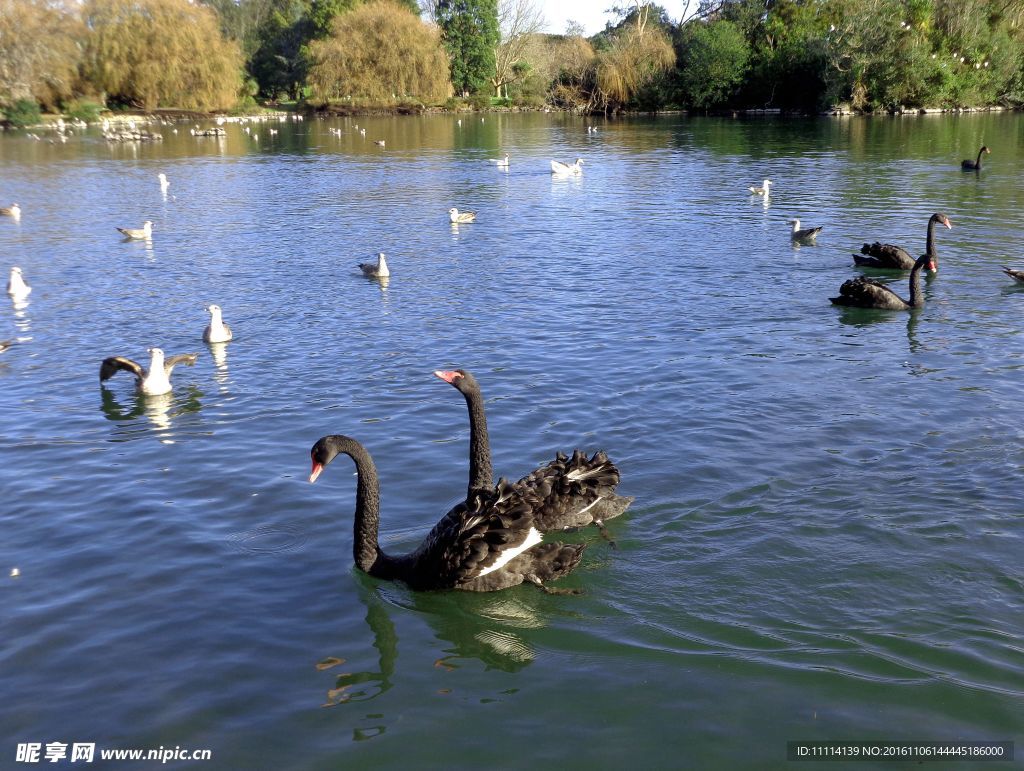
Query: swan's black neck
{"x":367,"y":553}
{"x":916,"y":295}
{"x":929,"y":247}
{"x":481,"y":472}
{"x":977,"y":164}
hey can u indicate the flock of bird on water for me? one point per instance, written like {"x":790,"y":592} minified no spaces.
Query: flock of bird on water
{"x":494,"y":538}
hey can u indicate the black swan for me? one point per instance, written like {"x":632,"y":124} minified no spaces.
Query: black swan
{"x":970,"y":165}
{"x":489,"y":543}
{"x":575,"y":491}
{"x":863,"y":292}
{"x":1017,"y":275}
{"x":895,"y":258}
{"x":154,"y":381}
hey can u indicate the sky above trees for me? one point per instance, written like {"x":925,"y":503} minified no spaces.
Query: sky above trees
{"x":593,"y":14}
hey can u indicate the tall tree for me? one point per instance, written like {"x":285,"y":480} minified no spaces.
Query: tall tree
{"x":380,"y":51}
{"x":519,"y":21}
{"x":153,"y":53}
{"x":278,"y":63}
{"x":39,"y":51}
{"x":470,"y":32}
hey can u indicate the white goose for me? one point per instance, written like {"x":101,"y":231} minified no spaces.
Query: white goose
{"x":376,"y":270}
{"x":153,"y":381}
{"x":560,"y":169}
{"x":16,"y":286}
{"x":138,"y":234}
{"x":217,"y":331}
{"x":461,"y":217}
{"x":763,"y":190}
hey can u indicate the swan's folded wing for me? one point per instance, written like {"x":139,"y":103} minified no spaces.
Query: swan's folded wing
{"x":495,"y":527}
{"x":112,"y":364}
{"x":574,"y":492}
{"x":188,"y":359}
{"x":889,"y":255}
{"x":864,"y":291}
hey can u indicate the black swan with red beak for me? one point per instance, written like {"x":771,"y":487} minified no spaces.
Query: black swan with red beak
{"x":893,"y":257}
{"x":491,"y":542}
{"x":575,"y":492}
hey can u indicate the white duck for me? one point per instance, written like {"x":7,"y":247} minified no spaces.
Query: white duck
{"x":763,"y":190}
{"x":574,"y":169}
{"x":217,"y":331}
{"x":16,"y":286}
{"x":461,"y":217}
{"x":138,"y":234}
{"x":154,"y":381}
{"x":376,"y":270}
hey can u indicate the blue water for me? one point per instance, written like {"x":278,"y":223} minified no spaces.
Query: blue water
{"x":826,"y":540}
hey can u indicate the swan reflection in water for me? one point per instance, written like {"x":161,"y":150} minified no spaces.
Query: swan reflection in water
{"x":157,"y":409}
{"x":481,"y":626}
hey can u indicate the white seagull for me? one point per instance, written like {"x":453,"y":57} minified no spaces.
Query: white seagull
{"x":154,"y":381}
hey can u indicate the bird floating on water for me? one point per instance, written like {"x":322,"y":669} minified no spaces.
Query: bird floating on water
{"x":378,"y":269}
{"x":16,"y":286}
{"x":763,"y":190}
{"x":164,"y":184}
{"x":461,"y":217}
{"x":806,"y":235}
{"x":970,"y":165}
{"x":138,"y":234}
{"x":11,"y":211}
{"x":891,"y":257}
{"x":216,"y":331}
{"x":501,"y":163}
{"x":573,"y":169}
{"x":153,"y":381}
{"x":380,"y":142}
{"x":1016,"y":275}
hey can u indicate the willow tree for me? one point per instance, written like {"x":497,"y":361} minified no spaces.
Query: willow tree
{"x":39,"y":52}
{"x":153,"y":53}
{"x":380,"y":51}
{"x":639,"y":53}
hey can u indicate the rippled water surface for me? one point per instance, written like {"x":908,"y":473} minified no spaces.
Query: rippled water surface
{"x":826,"y":541}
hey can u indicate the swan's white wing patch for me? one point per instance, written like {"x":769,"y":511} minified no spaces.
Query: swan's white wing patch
{"x":532,"y":539}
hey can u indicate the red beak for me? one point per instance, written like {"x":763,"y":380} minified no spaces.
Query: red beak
{"x":317,"y":468}
{"x":448,"y":376}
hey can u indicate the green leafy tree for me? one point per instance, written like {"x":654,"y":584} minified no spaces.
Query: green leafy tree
{"x":469,"y":29}
{"x":713,"y":62}
{"x":279,"y":64}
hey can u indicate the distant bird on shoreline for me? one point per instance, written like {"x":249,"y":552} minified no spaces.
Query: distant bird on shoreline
{"x":807,"y":235}
{"x":378,"y":269}
{"x":138,"y":234}
{"x":461,"y":217}
{"x":153,"y":381}
{"x":969,"y":165}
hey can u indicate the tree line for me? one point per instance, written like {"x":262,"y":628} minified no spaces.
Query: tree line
{"x":209,"y":55}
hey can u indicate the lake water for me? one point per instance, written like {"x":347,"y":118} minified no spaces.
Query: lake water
{"x":827,"y":537}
